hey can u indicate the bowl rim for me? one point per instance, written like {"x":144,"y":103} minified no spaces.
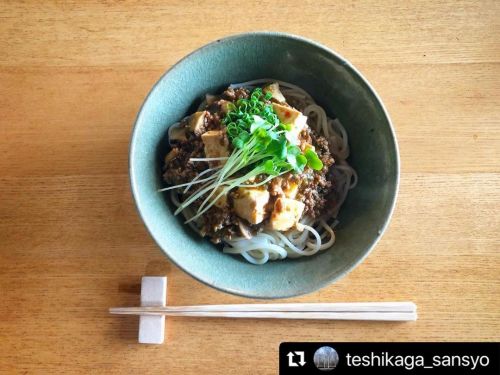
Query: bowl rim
{"x":345,"y":62}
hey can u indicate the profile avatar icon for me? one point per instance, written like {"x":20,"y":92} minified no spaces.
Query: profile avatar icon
{"x":326,"y":358}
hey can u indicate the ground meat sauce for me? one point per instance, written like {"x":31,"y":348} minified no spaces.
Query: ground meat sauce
{"x":213,"y":120}
{"x":233,"y":95}
{"x":314,"y":187}
{"x":180,"y":170}
{"x":219,"y":224}
{"x":314,"y":192}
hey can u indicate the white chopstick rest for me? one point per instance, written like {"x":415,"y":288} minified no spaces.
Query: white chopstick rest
{"x":153,"y":293}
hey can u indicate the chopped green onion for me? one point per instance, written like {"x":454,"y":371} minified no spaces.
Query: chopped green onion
{"x":313,"y":160}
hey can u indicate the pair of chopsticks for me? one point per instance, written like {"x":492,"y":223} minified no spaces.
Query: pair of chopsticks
{"x":385,"y":311}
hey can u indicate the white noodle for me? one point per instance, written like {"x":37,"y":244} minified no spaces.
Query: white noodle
{"x":274,"y":245}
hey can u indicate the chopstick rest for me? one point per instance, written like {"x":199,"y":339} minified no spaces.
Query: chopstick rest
{"x":153,"y":311}
{"x":153,"y":293}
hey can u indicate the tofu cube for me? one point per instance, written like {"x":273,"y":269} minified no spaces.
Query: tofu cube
{"x":288,"y":115}
{"x":197,"y":121}
{"x":274,"y":89}
{"x":286,"y":214}
{"x":291,"y":190}
{"x":250,"y":204}
{"x":216,"y":145}
{"x":171,"y":155}
{"x":177,"y":133}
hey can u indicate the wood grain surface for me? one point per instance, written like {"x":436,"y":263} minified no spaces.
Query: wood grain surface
{"x":72,"y":77}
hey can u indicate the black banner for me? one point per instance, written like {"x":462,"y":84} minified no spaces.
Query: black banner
{"x":388,"y":358}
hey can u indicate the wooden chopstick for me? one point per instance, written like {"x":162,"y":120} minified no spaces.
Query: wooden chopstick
{"x":291,"y":307}
{"x":386,"y":316}
{"x":335,"y":311}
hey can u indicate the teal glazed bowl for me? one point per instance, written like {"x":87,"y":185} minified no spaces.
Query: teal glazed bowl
{"x":337,"y":86}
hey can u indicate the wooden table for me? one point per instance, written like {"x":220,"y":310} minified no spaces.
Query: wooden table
{"x":72,"y":77}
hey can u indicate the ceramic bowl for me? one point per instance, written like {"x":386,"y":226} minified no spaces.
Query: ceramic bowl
{"x":339,"y":88}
